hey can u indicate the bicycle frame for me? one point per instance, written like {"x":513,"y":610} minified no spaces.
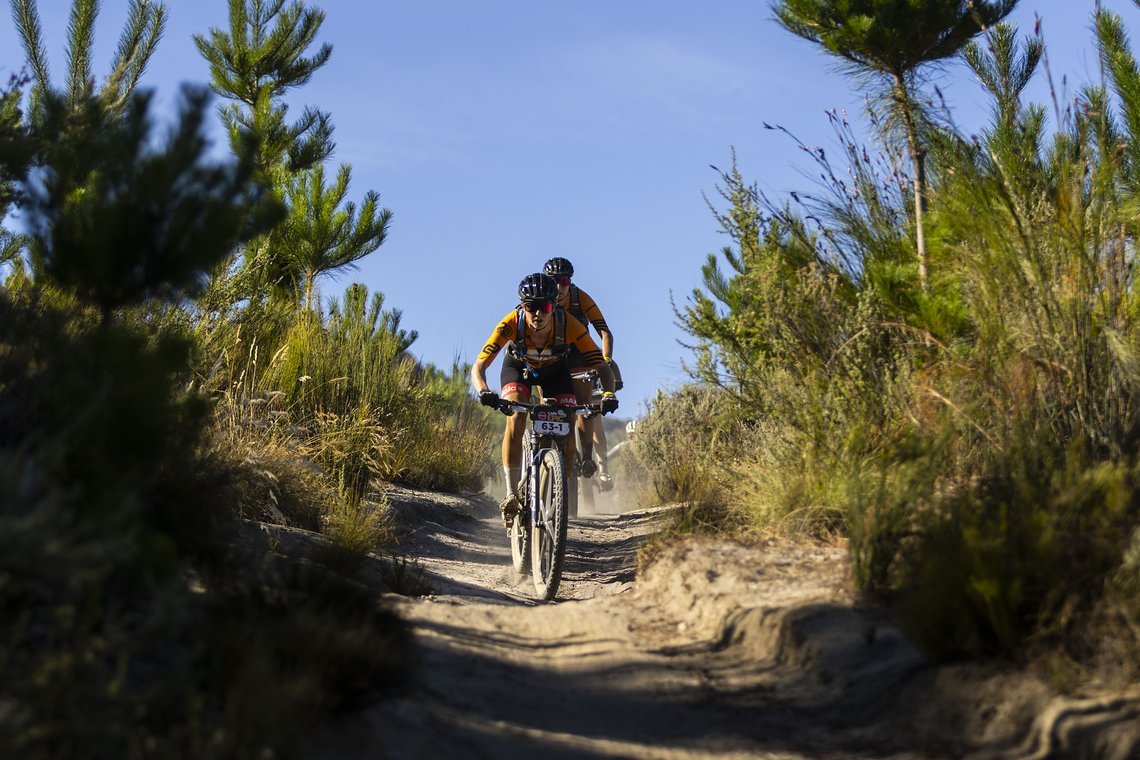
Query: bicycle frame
{"x":539,"y":443}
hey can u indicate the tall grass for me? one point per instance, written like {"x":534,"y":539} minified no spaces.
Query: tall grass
{"x":977,"y":442}
{"x":337,"y":406}
{"x":414,"y":424}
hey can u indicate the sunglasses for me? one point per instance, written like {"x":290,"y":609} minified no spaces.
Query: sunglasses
{"x":563,"y":281}
{"x":539,"y":307}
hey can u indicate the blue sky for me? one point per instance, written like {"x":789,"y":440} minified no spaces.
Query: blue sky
{"x":503,"y":133}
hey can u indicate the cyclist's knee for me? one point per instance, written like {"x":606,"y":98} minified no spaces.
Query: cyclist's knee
{"x":514,"y":430}
{"x":515,"y":392}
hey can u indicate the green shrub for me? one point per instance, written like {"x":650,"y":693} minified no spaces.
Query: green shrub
{"x":676,"y":442}
{"x":974,"y":435}
{"x":110,"y":552}
{"x":370,"y":409}
{"x":1021,"y":554}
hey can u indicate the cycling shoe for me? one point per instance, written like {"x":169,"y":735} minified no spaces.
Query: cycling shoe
{"x":587,"y":468}
{"x":510,"y":507}
{"x":605,"y":482}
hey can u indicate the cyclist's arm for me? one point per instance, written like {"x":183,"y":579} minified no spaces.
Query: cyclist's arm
{"x":479,"y":375}
{"x":504,"y":332}
{"x":579,"y":336}
{"x":594,"y":315}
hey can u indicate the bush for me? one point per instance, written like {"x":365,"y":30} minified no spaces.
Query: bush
{"x":348,"y":394}
{"x":113,"y":502}
{"x":676,"y":442}
{"x":975,"y":436}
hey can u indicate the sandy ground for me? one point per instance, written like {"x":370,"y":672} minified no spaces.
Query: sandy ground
{"x":718,"y":650}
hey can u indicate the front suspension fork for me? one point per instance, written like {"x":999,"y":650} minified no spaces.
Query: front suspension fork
{"x":535,"y":458}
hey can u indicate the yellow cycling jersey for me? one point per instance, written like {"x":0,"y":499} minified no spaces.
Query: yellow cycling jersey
{"x":540,"y":356}
{"x":587,"y":311}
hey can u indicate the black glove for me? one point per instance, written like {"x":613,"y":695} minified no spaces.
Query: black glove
{"x":609,"y":403}
{"x":489,"y":398}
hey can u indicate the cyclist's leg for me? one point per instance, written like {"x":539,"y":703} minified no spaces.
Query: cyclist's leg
{"x":599,"y":436}
{"x":515,"y":387}
{"x":599,"y":431}
{"x":583,"y":392}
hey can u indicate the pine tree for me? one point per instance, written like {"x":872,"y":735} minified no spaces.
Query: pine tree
{"x":146,"y":22}
{"x":255,"y":63}
{"x":889,"y":43}
{"x":1004,"y":69}
{"x":14,"y":156}
{"x":322,"y":233}
{"x":261,"y":57}
{"x":117,"y":220}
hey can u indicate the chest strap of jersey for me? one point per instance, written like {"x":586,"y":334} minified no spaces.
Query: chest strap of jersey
{"x":517,"y":347}
{"x":576,"y":304}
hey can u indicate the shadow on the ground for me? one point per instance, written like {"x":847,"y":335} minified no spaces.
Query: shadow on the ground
{"x":509,"y":707}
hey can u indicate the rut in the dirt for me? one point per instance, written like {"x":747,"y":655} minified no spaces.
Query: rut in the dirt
{"x":718,"y":650}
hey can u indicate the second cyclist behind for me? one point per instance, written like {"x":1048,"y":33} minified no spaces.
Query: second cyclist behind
{"x":582,"y":307}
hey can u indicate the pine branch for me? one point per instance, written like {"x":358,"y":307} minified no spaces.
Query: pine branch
{"x":80,"y":40}
{"x":27,"y":20}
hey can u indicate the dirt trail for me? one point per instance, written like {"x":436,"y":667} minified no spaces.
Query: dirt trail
{"x":719,"y":650}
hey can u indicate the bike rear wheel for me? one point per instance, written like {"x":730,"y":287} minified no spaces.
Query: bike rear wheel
{"x":520,"y":541}
{"x":571,"y":497}
{"x":548,"y":540}
{"x":579,"y":485}
{"x":586,"y":495}
{"x":519,"y":530}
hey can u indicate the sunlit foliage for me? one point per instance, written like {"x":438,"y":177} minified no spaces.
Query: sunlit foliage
{"x":975,"y":438}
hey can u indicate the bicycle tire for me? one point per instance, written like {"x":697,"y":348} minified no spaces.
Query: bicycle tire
{"x":520,"y":541}
{"x":572,"y":491}
{"x":578,"y":483}
{"x":548,"y":541}
{"x":572,"y":497}
{"x":586,"y":495}
{"x":518,"y":533}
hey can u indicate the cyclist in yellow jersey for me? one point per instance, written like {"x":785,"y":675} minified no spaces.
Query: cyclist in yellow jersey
{"x":580,"y":305}
{"x":539,"y":335}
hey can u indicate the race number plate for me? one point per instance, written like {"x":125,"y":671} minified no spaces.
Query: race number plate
{"x":551,"y":427}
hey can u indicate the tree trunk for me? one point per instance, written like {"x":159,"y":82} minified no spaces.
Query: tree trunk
{"x":918,"y":159}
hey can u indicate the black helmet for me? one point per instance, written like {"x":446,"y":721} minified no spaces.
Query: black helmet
{"x":559,"y":267}
{"x":538,"y":287}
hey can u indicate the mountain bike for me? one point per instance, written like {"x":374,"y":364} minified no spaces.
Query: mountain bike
{"x":539,"y":528}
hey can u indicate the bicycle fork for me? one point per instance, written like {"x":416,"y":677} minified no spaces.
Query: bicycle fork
{"x":536,"y":516}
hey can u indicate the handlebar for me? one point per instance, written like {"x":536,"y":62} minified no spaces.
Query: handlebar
{"x":586,"y":410}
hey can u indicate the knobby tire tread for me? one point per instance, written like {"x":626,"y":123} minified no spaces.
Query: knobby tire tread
{"x":553,"y":468}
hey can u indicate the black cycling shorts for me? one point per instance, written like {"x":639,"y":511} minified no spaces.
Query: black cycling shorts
{"x":554,"y":378}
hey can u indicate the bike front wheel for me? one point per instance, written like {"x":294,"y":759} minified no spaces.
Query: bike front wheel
{"x":548,"y":539}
